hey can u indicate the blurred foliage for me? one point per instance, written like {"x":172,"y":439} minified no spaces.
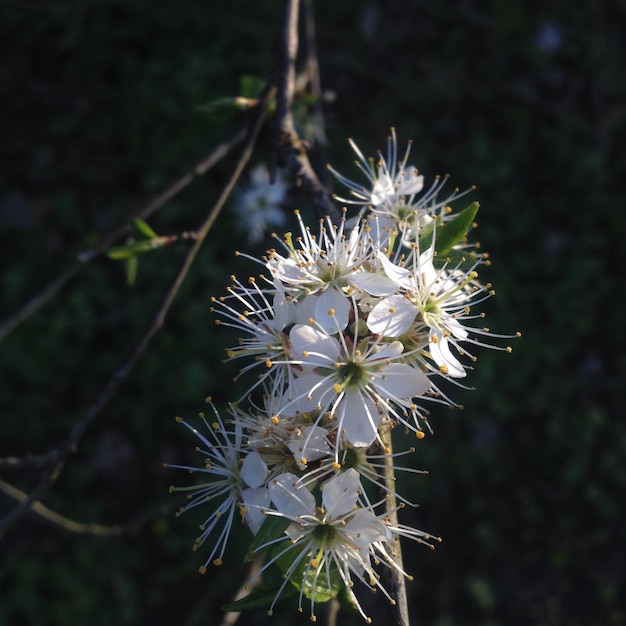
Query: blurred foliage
{"x":525,"y":100}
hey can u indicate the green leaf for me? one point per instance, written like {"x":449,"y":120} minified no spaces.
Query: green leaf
{"x":272,"y":528}
{"x":142,"y":229}
{"x":136,"y":248}
{"x":314,"y":582}
{"x":261,"y":597}
{"x":455,"y":230}
{"x":426,"y":235}
{"x":131,"y":270}
{"x":455,"y":259}
{"x":225,"y":108}
{"x":251,"y":86}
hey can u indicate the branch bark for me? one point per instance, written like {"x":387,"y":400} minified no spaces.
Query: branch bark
{"x":291,"y":145}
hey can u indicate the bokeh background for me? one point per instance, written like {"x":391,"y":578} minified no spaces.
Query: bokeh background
{"x":525,"y":100}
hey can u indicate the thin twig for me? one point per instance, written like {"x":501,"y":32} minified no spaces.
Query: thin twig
{"x":68,"y":524}
{"x":293,"y":147}
{"x":112,"y":385}
{"x":82,"y":259}
{"x":395,"y":579}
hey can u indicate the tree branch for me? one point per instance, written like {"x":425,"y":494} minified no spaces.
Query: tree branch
{"x":292,"y":146}
{"x":50,"y":476}
{"x":82,"y":259}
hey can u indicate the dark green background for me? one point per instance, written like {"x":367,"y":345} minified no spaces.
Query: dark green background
{"x":526,"y":100}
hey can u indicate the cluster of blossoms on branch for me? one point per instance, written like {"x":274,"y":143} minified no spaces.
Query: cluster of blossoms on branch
{"x":353,"y":330}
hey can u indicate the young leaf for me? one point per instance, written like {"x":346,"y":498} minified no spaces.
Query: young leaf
{"x":251,"y":86}
{"x":272,"y":528}
{"x":460,"y":259}
{"x":142,"y":229}
{"x":131,"y":270}
{"x":136,"y":248}
{"x":225,"y":108}
{"x":315,"y":582}
{"x":455,"y":230}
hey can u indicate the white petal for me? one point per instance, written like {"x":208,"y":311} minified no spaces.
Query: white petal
{"x":254,"y":501}
{"x":456,"y":328}
{"x":291,"y":497}
{"x":315,"y":346}
{"x":400,"y":381}
{"x":386,"y":351}
{"x":284,"y":310}
{"x":316,"y":444}
{"x":360,"y":419}
{"x":442,"y":355}
{"x":400,"y":275}
{"x":340,"y":493}
{"x":253,"y":470}
{"x":374,"y":284}
{"x":364,"y":528}
{"x":392,"y":317}
{"x":306,"y":394}
{"x":339,"y":303}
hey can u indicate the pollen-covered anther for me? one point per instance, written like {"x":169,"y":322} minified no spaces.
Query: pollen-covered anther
{"x":443,"y":369}
{"x":274,"y":420}
{"x":268,"y":363}
{"x":336,"y":466}
{"x":420,"y":434}
{"x":331,"y":312}
{"x":217,"y":562}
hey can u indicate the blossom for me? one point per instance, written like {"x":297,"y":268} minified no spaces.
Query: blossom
{"x":258,"y":206}
{"x":317,"y":270}
{"x":358,"y":380}
{"x":331,"y":543}
{"x":430,"y":302}
{"x":347,"y":327}
{"x":395,"y":192}
{"x":262,"y":316}
{"x":234,"y":477}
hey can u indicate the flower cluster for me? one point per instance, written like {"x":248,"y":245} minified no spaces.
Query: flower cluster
{"x":352,"y":329}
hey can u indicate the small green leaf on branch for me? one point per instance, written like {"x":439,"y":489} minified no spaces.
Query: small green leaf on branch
{"x":225,"y":108}
{"x":455,"y":230}
{"x":135,"y":248}
{"x":142,"y":229}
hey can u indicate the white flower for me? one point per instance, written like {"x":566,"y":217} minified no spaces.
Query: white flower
{"x":356,"y":380}
{"x":339,"y":538}
{"x":262,"y":315}
{"x":258,"y":206}
{"x":433,"y":302}
{"x":317,"y":270}
{"x":230,"y":482}
{"x":395,"y":192}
